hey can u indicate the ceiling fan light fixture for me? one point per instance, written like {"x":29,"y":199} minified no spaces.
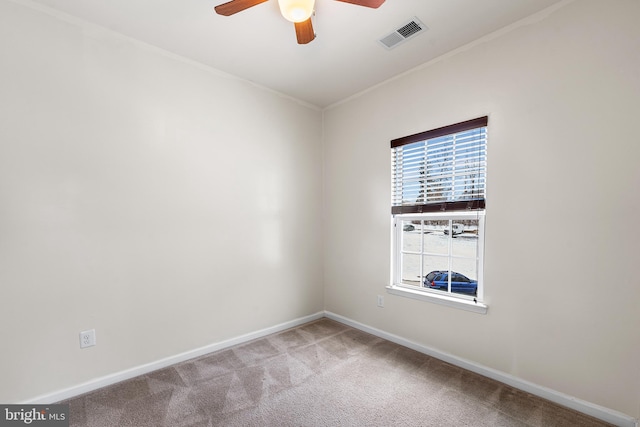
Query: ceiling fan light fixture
{"x":296,"y":10}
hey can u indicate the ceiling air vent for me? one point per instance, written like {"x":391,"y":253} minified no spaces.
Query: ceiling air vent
{"x":405,"y":32}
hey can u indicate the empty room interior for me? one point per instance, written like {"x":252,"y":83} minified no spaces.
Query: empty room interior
{"x":173,"y":195}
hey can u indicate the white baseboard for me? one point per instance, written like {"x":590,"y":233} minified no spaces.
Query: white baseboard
{"x":163,"y":363}
{"x":600,"y":412}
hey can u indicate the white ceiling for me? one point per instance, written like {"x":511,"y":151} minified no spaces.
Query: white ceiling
{"x":259,"y":45}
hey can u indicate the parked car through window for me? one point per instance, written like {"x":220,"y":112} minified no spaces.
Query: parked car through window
{"x":460,"y":283}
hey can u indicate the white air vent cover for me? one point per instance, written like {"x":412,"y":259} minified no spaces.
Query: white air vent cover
{"x":406,"y":31}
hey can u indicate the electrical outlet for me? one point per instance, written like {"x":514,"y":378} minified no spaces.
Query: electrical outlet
{"x":88,"y":338}
{"x":380,"y":301}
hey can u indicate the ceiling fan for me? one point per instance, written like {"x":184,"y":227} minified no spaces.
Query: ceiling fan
{"x":297,"y":11}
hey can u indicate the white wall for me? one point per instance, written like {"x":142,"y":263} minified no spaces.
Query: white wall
{"x":147,"y":197}
{"x":562,"y":91}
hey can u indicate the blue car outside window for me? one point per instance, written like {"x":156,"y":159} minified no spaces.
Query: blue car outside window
{"x":459,"y":283}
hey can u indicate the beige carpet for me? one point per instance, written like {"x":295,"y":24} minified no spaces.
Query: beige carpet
{"x":319,"y":374}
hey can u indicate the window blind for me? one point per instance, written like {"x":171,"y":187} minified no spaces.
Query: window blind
{"x":441,"y":169}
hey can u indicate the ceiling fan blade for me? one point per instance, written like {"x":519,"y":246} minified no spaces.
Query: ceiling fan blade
{"x":235,"y":6}
{"x":304,"y":31}
{"x":367,"y":3}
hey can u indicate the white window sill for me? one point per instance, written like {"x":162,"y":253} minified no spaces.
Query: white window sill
{"x":462,"y":304}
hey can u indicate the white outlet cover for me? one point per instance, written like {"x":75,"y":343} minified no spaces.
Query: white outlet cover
{"x":88,"y":338}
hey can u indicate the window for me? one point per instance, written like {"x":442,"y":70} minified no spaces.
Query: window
{"x":438,"y":201}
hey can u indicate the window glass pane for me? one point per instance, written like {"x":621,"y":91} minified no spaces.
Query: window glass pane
{"x":465,"y":238}
{"x":464,"y":276}
{"x":411,"y":269}
{"x":411,"y":236}
{"x":435,"y":241}
{"x":439,"y":254}
{"x":434,"y":264}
